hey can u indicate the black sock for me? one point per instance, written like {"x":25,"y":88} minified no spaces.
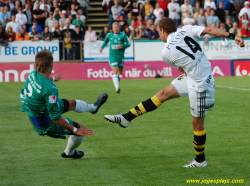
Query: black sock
{"x":199,"y":145}
{"x":146,"y":106}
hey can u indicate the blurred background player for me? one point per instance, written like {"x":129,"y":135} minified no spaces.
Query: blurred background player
{"x":40,"y":99}
{"x":118,"y":43}
{"x":68,"y":46}
{"x":183,"y":51}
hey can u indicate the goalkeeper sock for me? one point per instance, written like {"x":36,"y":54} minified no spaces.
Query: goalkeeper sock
{"x":116,"y":81}
{"x":146,"y":106}
{"x":73,"y":142}
{"x":199,"y":145}
{"x":82,"y":106}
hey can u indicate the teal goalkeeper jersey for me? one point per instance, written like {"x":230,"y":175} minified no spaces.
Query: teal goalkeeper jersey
{"x":39,"y":97}
{"x":115,"y":40}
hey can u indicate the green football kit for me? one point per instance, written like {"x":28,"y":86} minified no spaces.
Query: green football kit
{"x":40,"y":99}
{"x":116,"y":56}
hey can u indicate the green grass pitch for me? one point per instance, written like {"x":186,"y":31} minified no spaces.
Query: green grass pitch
{"x":150,"y":152}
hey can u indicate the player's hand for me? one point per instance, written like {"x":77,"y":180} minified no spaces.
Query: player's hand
{"x":119,"y":47}
{"x":83,"y":131}
{"x":101,"y":50}
{"x":181,"y":70}
{"x":239,"y":41}
{"x":57,"y":77}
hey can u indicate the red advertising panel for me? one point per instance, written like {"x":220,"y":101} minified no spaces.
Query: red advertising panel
{"x":241,"y":68}
{"x":132,"y":70}
{"x":149,"y":69}
{"x":16,"y":72}
{"x":69,"y":71}
{"x":220,"y":68}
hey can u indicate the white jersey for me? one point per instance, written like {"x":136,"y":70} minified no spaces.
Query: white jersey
{"x":183,"y":50}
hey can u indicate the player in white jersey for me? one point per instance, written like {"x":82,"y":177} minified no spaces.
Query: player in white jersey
{"x":183,"y":51}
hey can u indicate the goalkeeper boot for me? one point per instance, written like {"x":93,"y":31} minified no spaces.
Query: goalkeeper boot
{"x":100,"y":101}
{"x":77,"y":154}
{"x":194,"y":163}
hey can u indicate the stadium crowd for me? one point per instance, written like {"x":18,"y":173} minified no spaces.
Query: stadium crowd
{"x":66,"y":20}
{"x":139,"y":19}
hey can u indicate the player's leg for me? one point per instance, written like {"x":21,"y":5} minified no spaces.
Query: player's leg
{"x":174,"y":90}
{"x":77,"y":105}
{"x":152,"y":103}
{"x":113,"y":62}
{"x":74,"y":141}
{"x":116,"y":78}
{"x":149,"y":105}
{"x":120,"y":73}
{"x":120,"y":69}
{"x":199,"y":143}
{"x":120,"y":65}
{"x":178,"y":88}
{"x":200,"y":103}
{"x":81,"y":106}
{"x":55,"y":131}
{"x":199,"y":138}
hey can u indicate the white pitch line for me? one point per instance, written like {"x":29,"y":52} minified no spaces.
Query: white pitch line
{"x":245,"y":89}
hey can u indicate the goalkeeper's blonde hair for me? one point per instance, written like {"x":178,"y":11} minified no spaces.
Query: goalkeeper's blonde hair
{"x":115,"y":23}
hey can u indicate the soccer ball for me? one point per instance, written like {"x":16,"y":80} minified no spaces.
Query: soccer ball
{"x":146,"y":66}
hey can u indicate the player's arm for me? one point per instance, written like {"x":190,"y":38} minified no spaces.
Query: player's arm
{"x":56,"y":77}
{"x":51,"y":99}
{"x":82,"y":131}
{"x":126,"y":43}
{"x":64,"y":124}
{"x":181,"y":70}
{"x":105,"y":42}
{"x":221,"y":33}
